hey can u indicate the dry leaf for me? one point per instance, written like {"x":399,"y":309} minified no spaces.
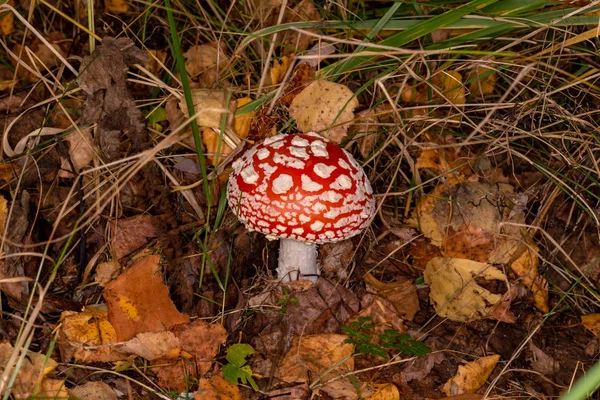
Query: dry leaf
{"x":206,"y":62}
{"x":106,"y":271}
{"x":591,"y":322}
{"x":138,"y":301}
{"x":31,"y":381}
{"x":210,"y":106}
{"x":525,"y":268}
{"x":454,"y":292}
{"x":215,"y":146}
{"x":82,"y":151}
{"x":130,"y":234}
{"x":464,"y":220}
{"x":325,"y":107}
{"x":241,"y":123}
{"x":366,"y":126}
{"x":116,"y":6}
{"x":84,"y":337}
{"x":384,"y":391}
{"x":7,"y":21}
{"x":42,"y":58}
{"x":542,"y":362}
{"x":279,"y":69}
{"x":403,"y":295}
{"x":471,"y":376}
{"x":297,"y":42}
{"x":303,"y":76}
{"x":483,"y":80}
{"x":317,"y":354}
{"x":382,"y":314}
{"x":156,"y":61}
{"x":93,"y":391}
{"x":152,"y":345}
{"x":217,"y":388}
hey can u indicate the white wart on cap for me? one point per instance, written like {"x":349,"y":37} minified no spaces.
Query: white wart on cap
{"x":301,"y":187}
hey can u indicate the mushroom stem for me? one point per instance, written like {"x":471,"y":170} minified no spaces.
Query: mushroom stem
{"x":297,"y":260}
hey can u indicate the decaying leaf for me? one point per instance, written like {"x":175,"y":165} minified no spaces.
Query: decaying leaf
{"x":525,"y":268}
{"x":444,"y":161}
{"x":471,"y":376}
{"x":382,"y":315}
{"x":303,"y":76}
{"x":317,"y":354}
{"x":206,"y":62}
{"x":106,"y":271}
{"x":217,"y":388}
{"x":153,"y":345}
{"x":214,"y":108}
{"x":366,"y":127}
{"x":156,"y":60}
{"x":31,"y":380}
{"x":591,"y":322}
{"x":464,"y":220}
{"x":454,"y":292}
{"x":130,"y":234}
{"x":82,"y":151}
{"x":297,"y":42}
{"x":403,"y":295}
{"x":325,"y":107}
{"x":138,"y":301}
{"x":216,"y":149}
{"x":279,"y":69}
{"x":37,"y":57}
{"x":483,"y":80}
{"x":93,"y":390}
{"x":85,"y":337}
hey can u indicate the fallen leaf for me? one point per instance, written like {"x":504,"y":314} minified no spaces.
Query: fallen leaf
{"x":82,"y":151}
{"x":279,"y":69}
{"x":138,"y":301}
{"x":206,"y":62}
{"x":591,"y":322}
{"x":335,"y":259}
{"x":156,"y":61}
{"x":217,"y":388}
{"x":366,"y":126}
{"x":215,"y":146}
{"x":290,"y":393}
{"x":31,"y":380}
{"x":325,"y":107}
{"x":302,"y":76}
{"x":106,"y":271}
{"x":116,"y":6}
{"x":297,"y":42}
{"x":7,"y":21}
{"x":483,"y":80}
{"x":403,"y":295}
{"x":94,"y":390}
{"x":210,"y":107}
{"x":131,"y":234}
{"x":454,"y":292}
{"x":384,"y":391}
{"x":542,"y":362}
{"x":382,"y":314}
{"x":315,"y":355}
{"x":471,"y":376}
{"x":241,"y":123}
{"x":525,"y":268}
{"x":152,"y":345}
{"x":37,"y":57}
{"x":86,"y":336}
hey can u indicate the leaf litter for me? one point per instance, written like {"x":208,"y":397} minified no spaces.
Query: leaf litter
{"x":449,"y":269}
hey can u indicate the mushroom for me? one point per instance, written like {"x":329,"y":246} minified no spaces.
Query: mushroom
{"x":303,"y":190}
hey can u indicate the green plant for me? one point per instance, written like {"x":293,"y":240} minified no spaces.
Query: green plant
{"x":237,"y":369}
{"x":283,"y":302}
{"x":360,"y":334}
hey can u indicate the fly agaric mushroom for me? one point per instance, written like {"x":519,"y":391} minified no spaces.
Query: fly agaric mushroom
{"x":303,"y":190}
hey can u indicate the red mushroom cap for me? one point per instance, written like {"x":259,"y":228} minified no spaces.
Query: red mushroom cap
{"x":301,"y":187}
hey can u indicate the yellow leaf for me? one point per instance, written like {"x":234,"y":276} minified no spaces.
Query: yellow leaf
{"x":384,"y":391}
{"x":217,"y":388}
{"x":525,"y":267}
{"x":591,"y":322}
{"x":454,"y":292}
{"x":241,"y":123}
{"x":7,"y":21}
{"x":317,"y":354}
{"x":471,"y":376}
{"x":128,"y":307}
{"x":483,"y":81}
{"x":214,"y":145}
{"x":279,"y":69}
{"x":213,"y":108}
{"x":116,"y":6}
{"x":82,"y":150}
{"x":325,"y":107}
{"x":205,"y":63}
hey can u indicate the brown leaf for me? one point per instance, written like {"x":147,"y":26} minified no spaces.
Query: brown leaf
{"x":131,"y":234}
{"x":303,"y":76}
{"x":138,"y":301}
{"x":483,"y":80}
{"x":42,"y":58}
{"x":383,"y":315}
{"x":215,"y":146}
{"x":471,"y":376}
{"x":279,"y":69}
{"x":7,"y":21}
{"x":403,"y":295}
{"x":591,"y":322}
{"x":205,"y":63}
{"x":241,"y":123}
{"x":335,"y":258}
{"x":317,"y":354}
{"x":325,"y":107}
{"x":82,"y":151}
{"x":93,"y":391}
{"x":367,"y":128}
{"x":217,"y":388}
{"x":297,"y":42}
{"x":85,"y":337}
{"x":152,"y":345}
{"x":525,"y":268}
{"x":116,"y":6}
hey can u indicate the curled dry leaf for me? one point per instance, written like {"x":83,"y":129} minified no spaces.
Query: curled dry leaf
{"x":206,"y":62}
{"x":82,"y":151}
{"x":325,"y":107}
{"x":454,"y":292}
{"x":465,"y":221}
{"x":85,"y":337}
{"x":317,"y":354}
{"x":525,"y":266}
{"x":471,"y":376}
{"x":138,"y":301}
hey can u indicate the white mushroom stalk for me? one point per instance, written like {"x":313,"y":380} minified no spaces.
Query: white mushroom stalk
{"x":304,"y":190}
